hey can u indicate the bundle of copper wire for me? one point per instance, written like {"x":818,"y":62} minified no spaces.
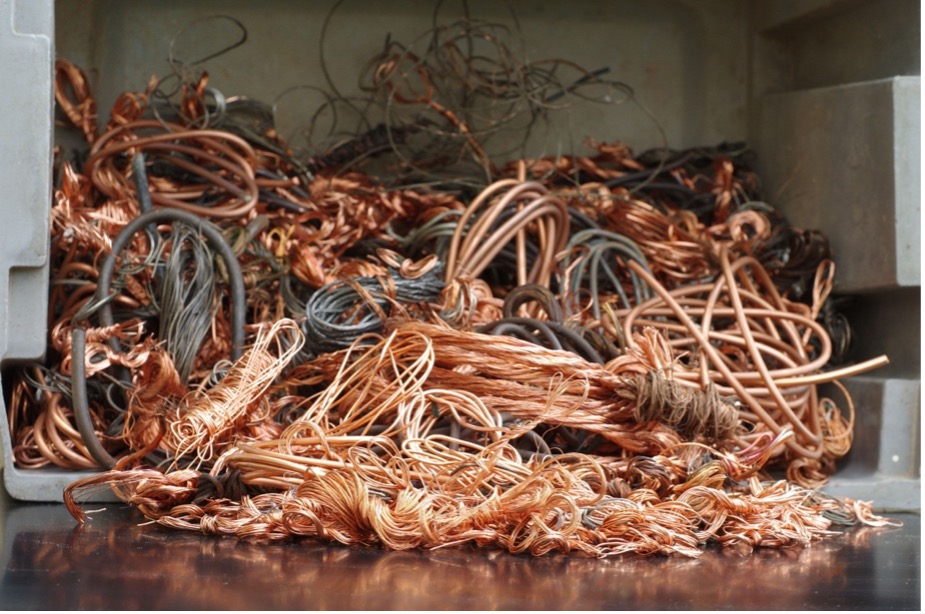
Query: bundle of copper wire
{"x":568,"y":359}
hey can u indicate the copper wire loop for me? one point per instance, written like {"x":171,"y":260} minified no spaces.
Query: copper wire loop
{"x":604,"y":354}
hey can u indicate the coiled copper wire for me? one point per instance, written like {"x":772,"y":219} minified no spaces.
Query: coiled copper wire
{"x":430,"y":434}
{"x":233,"y":156}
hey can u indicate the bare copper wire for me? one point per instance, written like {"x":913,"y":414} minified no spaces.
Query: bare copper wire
{"x":471,"y":250}
{"x":203,"y":423}
{"x":432,"y":436}
{"x":74,"y":98}
{"x":231,"y":154}
{"x":767,"y":332}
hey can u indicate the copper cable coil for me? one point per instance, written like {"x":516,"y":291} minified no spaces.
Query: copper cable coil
{"x":427,"y":435}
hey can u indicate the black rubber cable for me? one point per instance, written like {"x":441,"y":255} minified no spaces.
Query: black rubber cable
{"x":79,"y":399}
{"x":214,"y":238}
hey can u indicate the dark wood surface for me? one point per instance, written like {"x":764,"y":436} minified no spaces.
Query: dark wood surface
{"x":115,"y":562}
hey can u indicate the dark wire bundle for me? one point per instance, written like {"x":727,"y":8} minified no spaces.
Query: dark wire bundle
{"x":339,"y":313}
{"x":551,"y":331}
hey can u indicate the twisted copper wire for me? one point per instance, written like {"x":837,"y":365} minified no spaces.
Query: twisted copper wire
{"x":673,"y":244}
{"x":553,"y":507}
{"x":430,"y":435}
{"x":760,"y":388}
{"x":74,"y":98}
{"x":205,"y":422}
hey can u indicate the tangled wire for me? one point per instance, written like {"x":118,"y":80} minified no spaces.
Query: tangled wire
{"x":600,"y":354}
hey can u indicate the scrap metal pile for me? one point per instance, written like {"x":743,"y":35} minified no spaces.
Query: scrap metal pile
{"x":402,"y":341}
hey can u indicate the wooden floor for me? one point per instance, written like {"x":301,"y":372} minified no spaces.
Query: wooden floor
{"x":114,"y":563}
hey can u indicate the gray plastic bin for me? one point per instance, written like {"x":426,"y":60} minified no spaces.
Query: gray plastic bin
{"x":827,"y":92}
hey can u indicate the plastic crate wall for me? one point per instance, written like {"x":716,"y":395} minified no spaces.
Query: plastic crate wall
{"x":827,"y":92}
{"x":26,"y":136}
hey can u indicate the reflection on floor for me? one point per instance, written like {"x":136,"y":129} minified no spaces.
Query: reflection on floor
{"x":114,"y":563}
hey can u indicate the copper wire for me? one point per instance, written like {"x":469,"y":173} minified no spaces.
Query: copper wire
{"x":471,"y":251}
{"x":228,"y":152}
{"x":767,"y":406}
{"x":203,"y":423}
{"x":432,"y":433}
{"x":74,"y":99}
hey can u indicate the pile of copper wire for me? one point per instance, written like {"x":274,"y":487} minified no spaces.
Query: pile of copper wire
{"x":601,"y":354}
